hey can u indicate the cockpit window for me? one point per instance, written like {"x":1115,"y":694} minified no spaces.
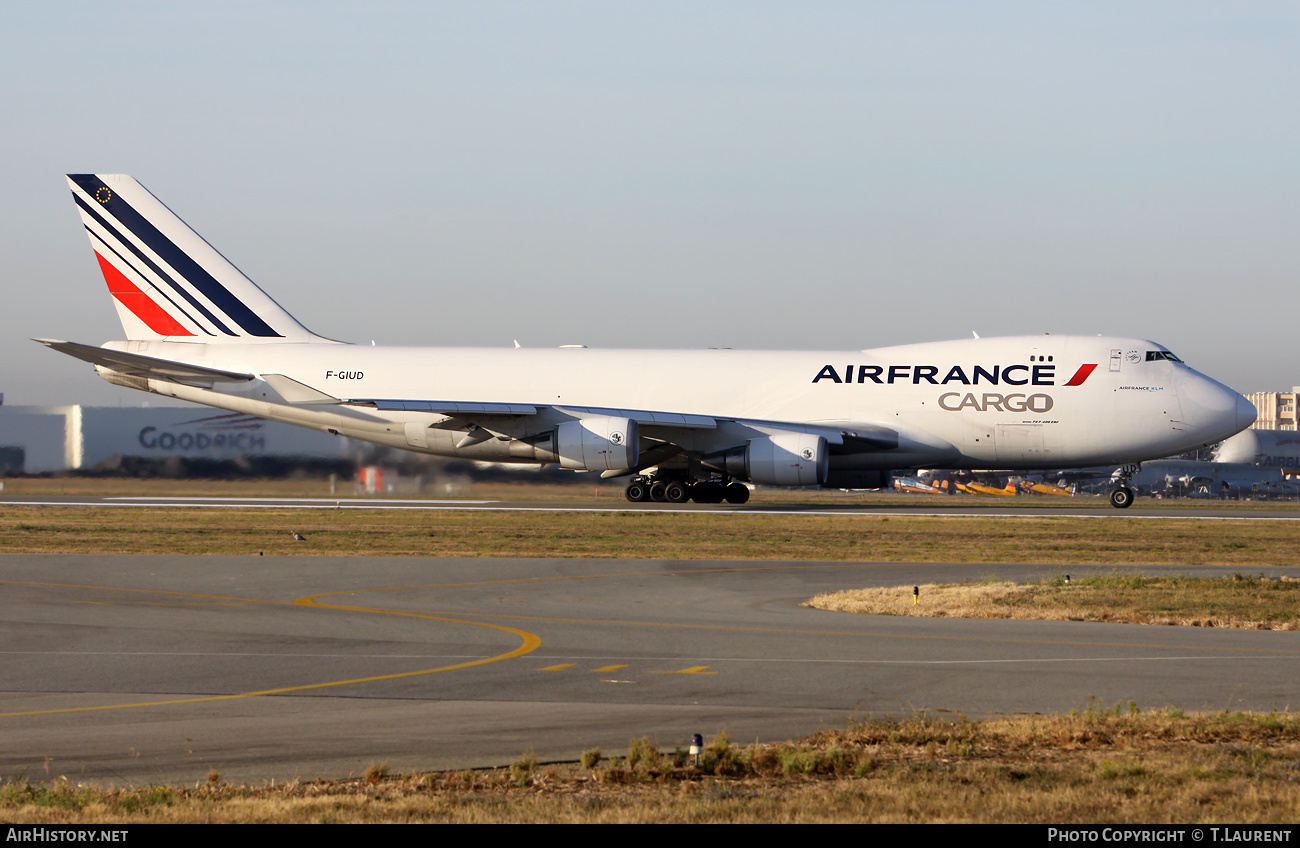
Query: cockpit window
{"x":1157,"y":355}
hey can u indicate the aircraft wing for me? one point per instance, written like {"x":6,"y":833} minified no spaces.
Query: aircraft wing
{"x":661,"y":425}
{"x":466,"y":410}
{"x":514,"y":420}
{"x":503,"y":418}
{"x":139,"y":365}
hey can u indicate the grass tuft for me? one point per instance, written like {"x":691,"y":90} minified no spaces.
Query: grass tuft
{"x":375,"y":773}
{"x":643,"y":753}
{"x":523,"y":769}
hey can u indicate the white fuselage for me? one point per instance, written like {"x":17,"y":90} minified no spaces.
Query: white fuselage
{"x":1000,"y":403}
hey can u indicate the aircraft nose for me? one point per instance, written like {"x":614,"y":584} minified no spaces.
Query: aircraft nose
{"x":1212,"y":408}
{"x":1246,"y":412}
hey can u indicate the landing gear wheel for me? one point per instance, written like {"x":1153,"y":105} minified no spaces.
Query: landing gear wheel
{"x":637,"y":492}
{"x":1121,"y":498}
{"x":736,"y":493}
{"x":676,"y":493}
{"x":657,"y":491}
{"x":707,"y":493}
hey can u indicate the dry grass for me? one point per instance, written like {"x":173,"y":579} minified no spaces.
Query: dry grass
{"x":1255,"y":603}
{"x":1114,"y":765}
{"x":703,"y":535}
{"x":295,"y":487}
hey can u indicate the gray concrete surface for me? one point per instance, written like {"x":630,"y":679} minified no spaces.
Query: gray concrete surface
{"x":135,"y":669}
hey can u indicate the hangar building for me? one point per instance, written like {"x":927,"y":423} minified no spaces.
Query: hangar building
{"x":35,"y":439}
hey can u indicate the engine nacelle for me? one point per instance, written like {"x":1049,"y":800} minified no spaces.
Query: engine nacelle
{"x":598,"y":444}
{"x":786,"y":459}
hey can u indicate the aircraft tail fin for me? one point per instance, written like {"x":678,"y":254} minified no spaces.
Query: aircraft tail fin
{"x":166,"y":281}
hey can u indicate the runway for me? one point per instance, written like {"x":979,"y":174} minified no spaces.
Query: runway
{"x":901,"y":505}
{"x":140,"y":669}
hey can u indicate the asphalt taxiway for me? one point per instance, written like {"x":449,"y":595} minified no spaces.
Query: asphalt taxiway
{"x":133,"y":669}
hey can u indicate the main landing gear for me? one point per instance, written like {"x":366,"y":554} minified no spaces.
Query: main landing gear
{"x":643,"y":489}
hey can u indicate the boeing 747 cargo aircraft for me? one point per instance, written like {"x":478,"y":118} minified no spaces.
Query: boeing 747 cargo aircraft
{"x":681,"y":424}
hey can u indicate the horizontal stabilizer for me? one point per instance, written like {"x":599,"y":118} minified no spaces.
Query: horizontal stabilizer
{"x":139,"y":365}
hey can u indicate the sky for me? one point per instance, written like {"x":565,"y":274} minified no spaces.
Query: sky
{"x":814,"y":175}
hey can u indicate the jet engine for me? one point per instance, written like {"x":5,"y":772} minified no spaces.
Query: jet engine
{"x":785,"y":459}
{"x":588,"y":444}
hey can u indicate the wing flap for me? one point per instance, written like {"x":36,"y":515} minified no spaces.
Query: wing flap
{"x":647,"y":418}
{"x":443,"y":407}
{"x":298,"y":394}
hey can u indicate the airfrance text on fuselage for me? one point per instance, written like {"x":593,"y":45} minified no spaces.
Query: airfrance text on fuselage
{"x":1024,"y":375}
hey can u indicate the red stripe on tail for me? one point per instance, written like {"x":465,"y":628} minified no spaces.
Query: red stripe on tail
{"x":141,"y":305}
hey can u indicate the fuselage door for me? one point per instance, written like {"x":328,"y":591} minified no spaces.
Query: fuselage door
{"x":1020,"y":443}
{"x":417,"y":435}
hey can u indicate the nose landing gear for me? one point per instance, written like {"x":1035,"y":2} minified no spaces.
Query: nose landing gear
{"x":1121,"y":497}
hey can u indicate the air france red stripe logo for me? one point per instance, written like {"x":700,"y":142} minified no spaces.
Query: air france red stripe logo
{"x":1081,"y":375}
